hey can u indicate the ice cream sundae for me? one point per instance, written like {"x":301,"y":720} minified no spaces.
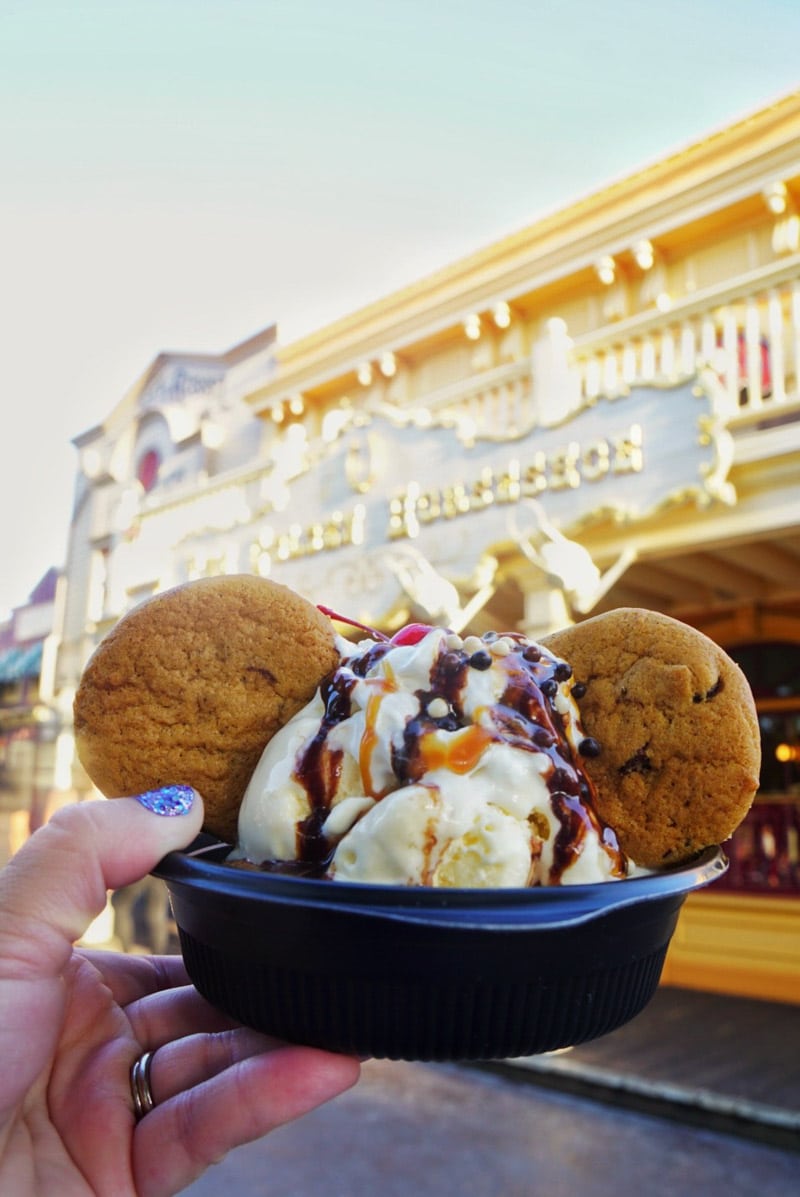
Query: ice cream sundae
{"x":429,"y":759}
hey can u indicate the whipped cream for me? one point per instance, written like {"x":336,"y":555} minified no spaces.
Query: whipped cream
{"x":433,"y":760}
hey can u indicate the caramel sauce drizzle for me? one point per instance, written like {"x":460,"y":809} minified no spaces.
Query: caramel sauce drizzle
{"x":525,"y":717}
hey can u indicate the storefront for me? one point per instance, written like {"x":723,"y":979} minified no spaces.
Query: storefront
{"x":29,"y":723}
{"x":554,"y":359}
{"x":602,"y":410}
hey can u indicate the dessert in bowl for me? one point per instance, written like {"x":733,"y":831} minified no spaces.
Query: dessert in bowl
{"x":423,"y":863}
{"x":424,"y":973}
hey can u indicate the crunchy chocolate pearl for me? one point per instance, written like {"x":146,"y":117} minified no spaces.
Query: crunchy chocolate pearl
{"x":481,"y":660}
{"x":579,"y":690}
{"x":589,"y":747}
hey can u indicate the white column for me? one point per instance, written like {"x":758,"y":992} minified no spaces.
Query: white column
{"x":776,"y":355}
{"x":796,"y":334}
{"x":688,"y":362}
{"x":752,"y":342}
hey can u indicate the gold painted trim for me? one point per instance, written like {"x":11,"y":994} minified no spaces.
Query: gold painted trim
{"x":712,"y":172}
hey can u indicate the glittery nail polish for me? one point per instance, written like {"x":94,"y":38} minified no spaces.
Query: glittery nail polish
{"x":169,"y":800}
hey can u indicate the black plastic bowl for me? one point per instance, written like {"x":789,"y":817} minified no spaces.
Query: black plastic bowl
{"x":424,"y":974}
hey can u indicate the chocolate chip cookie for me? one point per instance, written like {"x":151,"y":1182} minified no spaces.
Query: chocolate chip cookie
{"x":190,"y":685}
{"x":679,"y":739}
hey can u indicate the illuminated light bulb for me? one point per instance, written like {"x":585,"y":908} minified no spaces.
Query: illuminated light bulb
{"x":786,"y":752}
{"x":296,"y":405}
{"x":502,"y":314}
{"x":644,"y":254}
{"x":278,"y":414}
{"x":364,"y":374}
{"x":388,"y":365}
{"x":606,"y":269}
{"x":663,"y":301}
{"x":776,"y":197}
{"x":472,"y":326}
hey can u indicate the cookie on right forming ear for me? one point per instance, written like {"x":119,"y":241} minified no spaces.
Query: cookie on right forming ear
{"x":675,"y":718}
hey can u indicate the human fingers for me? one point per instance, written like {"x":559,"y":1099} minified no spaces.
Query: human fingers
{"x":180,"y":1064}
{"x":131,"y":977}
{"x":178,"y":1140}
{"x":49,"y":893}
{"x":165,"y":1016}
{"x":56,"y":884}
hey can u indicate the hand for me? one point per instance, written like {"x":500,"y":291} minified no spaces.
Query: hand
{"x":72,"y":1022}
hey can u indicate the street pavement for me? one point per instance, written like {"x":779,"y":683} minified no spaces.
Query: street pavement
{"x":700,"y":1093}
{"x":419,"y":1130}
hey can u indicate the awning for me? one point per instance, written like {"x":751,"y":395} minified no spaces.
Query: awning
{"x":18,"y":663}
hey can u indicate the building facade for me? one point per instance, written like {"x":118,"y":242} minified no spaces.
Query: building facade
{"x":32,"y":755}
{"x":602,"y":410}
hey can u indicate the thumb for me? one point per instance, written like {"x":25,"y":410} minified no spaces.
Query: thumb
{"x":57,"y":883}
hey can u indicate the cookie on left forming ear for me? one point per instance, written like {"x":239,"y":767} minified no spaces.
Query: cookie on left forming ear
{"x":189,"y":687}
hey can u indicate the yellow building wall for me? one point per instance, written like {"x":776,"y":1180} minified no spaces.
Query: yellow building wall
{"x":737,"y":944}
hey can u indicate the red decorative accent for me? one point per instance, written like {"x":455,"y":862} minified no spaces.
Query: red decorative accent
{"x":766,"y":373}
{"x":353,"y":623}
{"x":763,"y":852}
{"x":147,"y":469}
{"x":412,"y":633}
{"x":742,"y":365}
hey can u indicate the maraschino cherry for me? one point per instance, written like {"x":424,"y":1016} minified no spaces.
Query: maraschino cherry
{"x":412,"y":633}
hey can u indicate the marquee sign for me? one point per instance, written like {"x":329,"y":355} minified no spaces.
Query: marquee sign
{"x":399,"y":505}
{"x":387,"y":484}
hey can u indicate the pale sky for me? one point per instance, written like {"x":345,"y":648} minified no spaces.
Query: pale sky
{"x":178,"y":174}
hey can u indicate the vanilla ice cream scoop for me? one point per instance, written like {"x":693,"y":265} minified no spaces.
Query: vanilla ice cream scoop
{"x":433,"y":760}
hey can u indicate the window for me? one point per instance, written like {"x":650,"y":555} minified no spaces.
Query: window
{"x":764,"y":853}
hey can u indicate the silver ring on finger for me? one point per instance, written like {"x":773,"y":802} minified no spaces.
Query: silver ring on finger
{"x":141,"y":1092}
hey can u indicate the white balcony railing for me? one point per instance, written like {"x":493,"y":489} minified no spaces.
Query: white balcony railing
{"x":494,"y":403}
{"x":749,"y":330}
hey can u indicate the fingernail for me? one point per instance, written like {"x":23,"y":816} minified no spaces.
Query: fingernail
{"x":169,"y":800}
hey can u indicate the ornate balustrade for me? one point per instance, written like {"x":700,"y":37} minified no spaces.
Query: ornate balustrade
{"x":749,"y":330}
{"x":496,"y":402}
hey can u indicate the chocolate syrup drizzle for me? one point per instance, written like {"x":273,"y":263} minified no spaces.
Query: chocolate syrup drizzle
{"x":524,"y":717}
